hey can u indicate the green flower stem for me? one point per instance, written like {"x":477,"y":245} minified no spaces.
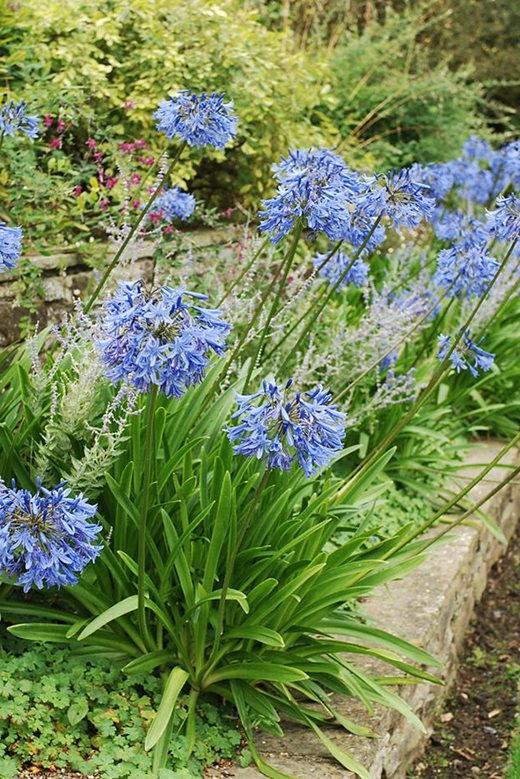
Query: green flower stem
{"x":321,"y":292}
{"x":149,"y":459}
{"x":432,"y":385}
{"x":247,"y":268}
{"x":286,"y":265}
{"x":251,"y":323}
{"x":331,"y":292}
{"x":432,"y":335}
{"x":134,"y":229}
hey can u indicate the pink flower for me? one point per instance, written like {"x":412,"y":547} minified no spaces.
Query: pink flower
{"x":104,"y":204}
{"x":129,"y":104}
{"x":78,"y":189}
{"x":126,"y":147}
{"x":168,"y":230}
{"x":98,"y":156}
{"x":60,"y":125}
{"x":227,"y":213}
{"x":111,"y":182}
{"x":91,"y":143}
{"x":147,"y":160}
{"x":135,"y":178}
{"x":155,"y":216}
{"x":140,"y":144}
{"x":48,"y":120}
{"x":136,"y":203}
{"x":55,"y":143}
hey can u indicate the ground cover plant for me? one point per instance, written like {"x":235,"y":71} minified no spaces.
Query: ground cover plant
{"x":190,"y":469}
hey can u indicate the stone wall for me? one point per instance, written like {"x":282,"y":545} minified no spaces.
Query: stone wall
{"x":66,"y":276}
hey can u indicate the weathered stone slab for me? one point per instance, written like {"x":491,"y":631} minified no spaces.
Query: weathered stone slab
{"x":431,"y":607}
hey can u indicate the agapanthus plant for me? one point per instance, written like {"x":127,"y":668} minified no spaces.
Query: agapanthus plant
{"x":15,"y":119}
{"x":46,"y":537}
{"x":467,"y":355}
{"x":159,"y":337}
{"x":199,"y":120}
{"x":173,"y":204}
{"x":315,"y":186}
{"x":285,"y":427}
{"x":10,"y":246}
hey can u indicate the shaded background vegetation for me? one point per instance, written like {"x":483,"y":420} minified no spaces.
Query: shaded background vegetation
{"x":387,"y":83}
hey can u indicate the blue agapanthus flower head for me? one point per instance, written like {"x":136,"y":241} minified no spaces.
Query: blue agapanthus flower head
{"x":467,"y":355}
{"x":47,"y":537}
{"x":173,"y":204}
{"x":285,"y":427}
{"x":505,"y":167}
{"x":504,"y":221}
{"x":341,"y":267}
{"x":399,"y":196}
{"x":472,"y":181}
{"x":364,"y":231}
{"x":200,"y":120}
{"x":15,"y":119}
{"x":448,"y":225}
{"x":466,"y":269}
{"x":159,"y":337}
{"x":477,"y":148}
{"x":437,"y":176}
{"x":10,"y":246}
{"x":315,"y":186}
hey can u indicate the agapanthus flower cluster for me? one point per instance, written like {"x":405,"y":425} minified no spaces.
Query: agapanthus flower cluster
{"x":341,"y":270}
{"x":505,"y":167}
{"x":448,"y":225}
{"x":46,"y":537}
{"x":10,"y":246}
{"x":467,"y":355}
{"x":437,"y":176}
{"x":504,"y":221}
{"x":364,"y":231}
{"x":466,"y":269}
{"x":159,"y":337}
{"x":474,"y":183}
{"x":398,"y":195}
{"x":199,"y":120}
{"x":476,"y":148}
{"x":15,"y":119}
{"x":315,"y":186}
{"x":286,"y":427}
{"x":173,"y":204}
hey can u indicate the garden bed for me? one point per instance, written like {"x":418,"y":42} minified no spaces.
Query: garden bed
{"x":432,"y":607}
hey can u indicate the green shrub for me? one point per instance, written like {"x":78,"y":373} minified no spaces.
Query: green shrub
{"x":392,"y":103}
{"x":87,"y":60}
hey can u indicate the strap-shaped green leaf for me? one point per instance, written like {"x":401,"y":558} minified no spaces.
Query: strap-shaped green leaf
{"x":176,"y":681}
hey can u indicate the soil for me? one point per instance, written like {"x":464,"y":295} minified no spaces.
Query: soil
{"x":475,"y":728}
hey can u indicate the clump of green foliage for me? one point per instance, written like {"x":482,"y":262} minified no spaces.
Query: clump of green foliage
{"x":392,"y":103}
{"x":78,"y":712}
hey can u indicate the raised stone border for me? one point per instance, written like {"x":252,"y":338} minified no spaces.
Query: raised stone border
{"x":66,"y":275}
{"x":432,"y":607}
